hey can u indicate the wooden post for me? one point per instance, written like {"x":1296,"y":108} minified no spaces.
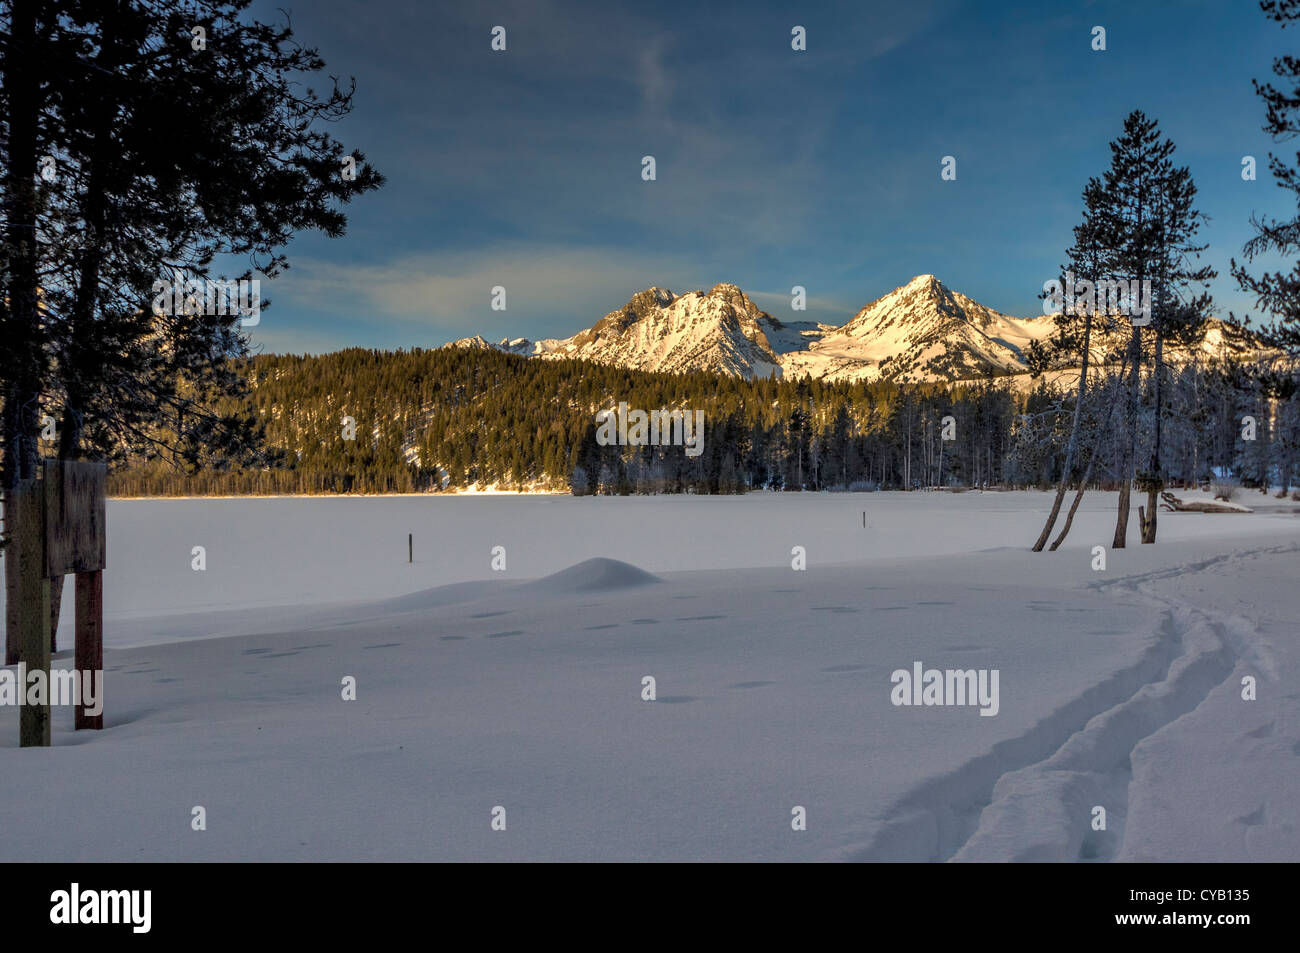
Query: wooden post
{"x":410,"y":547}
{"x":33,"y":609}
{"x":63,"y":532}
{"x":90,"y":643}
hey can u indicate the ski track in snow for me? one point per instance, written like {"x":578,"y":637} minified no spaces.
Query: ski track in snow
{"x":1023,"y":801}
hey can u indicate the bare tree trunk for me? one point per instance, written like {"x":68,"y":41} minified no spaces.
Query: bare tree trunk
{"x":1289,"y":461}
{"x":1155,"y":484}
{"x":1072,"y":446}
{"x":1074,"y":506}
{"x":940,"y":479}
{"x":1266,"y":445}
{"x":1056,"y":503}
{"x":11,"y":578}
{"x":907,"y":461}
{"x":1083,"y":483}
{"x":1126,"y":467}
{"x":21,"y":330}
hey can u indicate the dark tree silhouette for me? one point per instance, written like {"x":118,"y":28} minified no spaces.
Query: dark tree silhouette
{"x":142,"y":140}
{"x":1278,"y":293}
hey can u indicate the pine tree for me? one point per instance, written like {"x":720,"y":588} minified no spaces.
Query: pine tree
{"x":1278,"y":293}
{"x":1148,"y":226}
{"x":1178,"y":312}
{"x":100,"y":86}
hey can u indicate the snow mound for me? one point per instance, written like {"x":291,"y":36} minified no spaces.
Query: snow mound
{"x":591,"y":574}
{"x":449,"y":595}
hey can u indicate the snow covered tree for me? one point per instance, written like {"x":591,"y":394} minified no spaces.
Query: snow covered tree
{"x":1073,"y":338}
{"x":1143,"y":229}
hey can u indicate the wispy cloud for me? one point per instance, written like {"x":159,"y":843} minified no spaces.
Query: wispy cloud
{"x":823,"y":309}
{"x":549,"y":290}
{"x":775,"y":167}
{"x":655,"y":80}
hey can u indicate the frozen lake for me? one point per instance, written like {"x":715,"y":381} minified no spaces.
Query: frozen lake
{"x":310,"y":551}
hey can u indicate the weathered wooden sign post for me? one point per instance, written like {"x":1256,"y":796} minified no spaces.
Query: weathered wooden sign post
{"x":60,"y":531}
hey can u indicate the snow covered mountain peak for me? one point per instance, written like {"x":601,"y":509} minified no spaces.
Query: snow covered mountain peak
{"x":920,"y":331}
{"x":720,"y":330}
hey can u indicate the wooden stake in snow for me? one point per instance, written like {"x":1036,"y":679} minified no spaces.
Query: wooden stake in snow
{"x":90,"y":644}
{"x":410,"y":547}
{"x":75,"y":543}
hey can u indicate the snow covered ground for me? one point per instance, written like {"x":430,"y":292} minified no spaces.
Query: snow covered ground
{"x":775,"y":688}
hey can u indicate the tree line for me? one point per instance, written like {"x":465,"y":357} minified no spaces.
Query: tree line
{"x":367,"y":421}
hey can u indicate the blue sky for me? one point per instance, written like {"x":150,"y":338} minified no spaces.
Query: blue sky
{"x":775,"y":168}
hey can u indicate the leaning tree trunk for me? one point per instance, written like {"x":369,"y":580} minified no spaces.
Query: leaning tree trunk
{"x":1083,"y":484}
{"x":1072,"y":446}
{"x":1074,"y":505}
